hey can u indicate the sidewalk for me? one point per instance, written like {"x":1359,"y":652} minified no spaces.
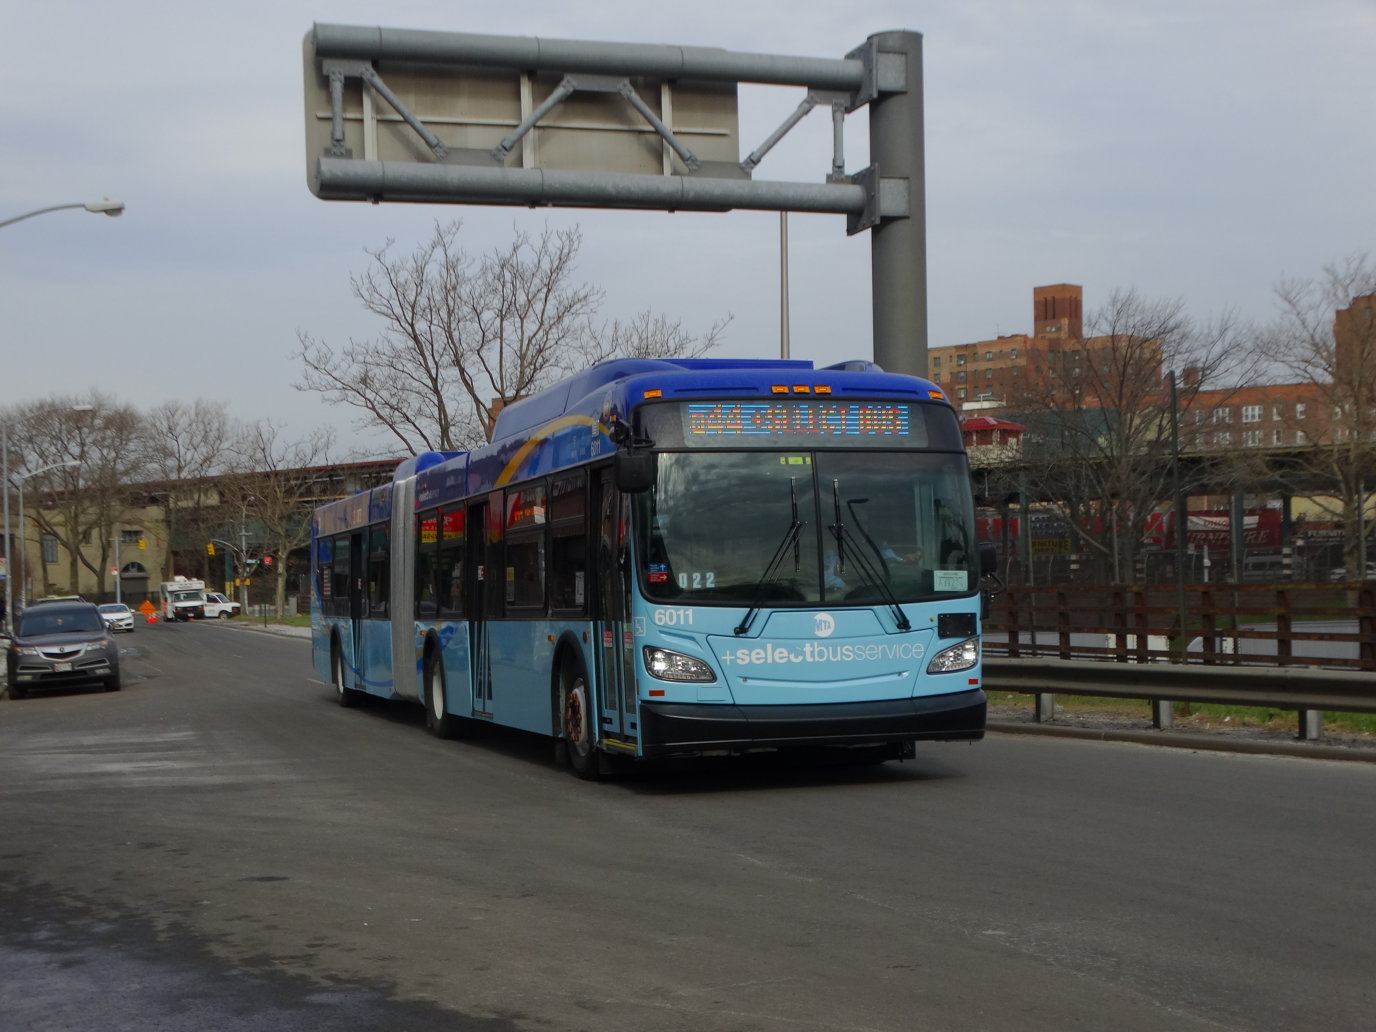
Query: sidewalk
{"x":247,"y":623}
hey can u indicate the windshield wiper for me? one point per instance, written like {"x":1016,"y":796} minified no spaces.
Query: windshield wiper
{"x":851,"y":503}
{"x":845,"y":546}
{"x":791,"y":537}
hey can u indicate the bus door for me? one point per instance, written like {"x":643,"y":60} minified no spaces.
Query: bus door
{"x":480,"y":581}
{"x":615,"y":651}
{"x":358,"y":606}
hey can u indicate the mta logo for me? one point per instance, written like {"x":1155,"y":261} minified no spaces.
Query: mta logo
{"x":824,"y":624}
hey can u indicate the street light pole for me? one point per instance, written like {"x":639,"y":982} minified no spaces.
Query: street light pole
{"x":22,"y":565}
{"x":243,"y":551}
{"x":784,"y":342}
{"x":9,"y":566}
{"x":104,"y":206}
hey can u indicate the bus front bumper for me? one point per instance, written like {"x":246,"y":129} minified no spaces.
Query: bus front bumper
{"x":668,"y":729}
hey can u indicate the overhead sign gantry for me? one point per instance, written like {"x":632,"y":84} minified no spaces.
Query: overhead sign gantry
{"x":460,"y":118}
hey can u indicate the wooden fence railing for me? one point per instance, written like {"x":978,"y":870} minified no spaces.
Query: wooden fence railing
{"x":1323,"y":625}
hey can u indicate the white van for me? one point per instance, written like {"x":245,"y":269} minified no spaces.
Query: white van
{"x":1264,"y":568}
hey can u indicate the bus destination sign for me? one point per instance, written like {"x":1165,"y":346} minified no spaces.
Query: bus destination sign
{"x":797,"y":418}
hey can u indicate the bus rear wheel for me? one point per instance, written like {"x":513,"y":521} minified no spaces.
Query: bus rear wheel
{"x":577,"y":722}
{"x":438,"y":720}
{"x":346,"y":696}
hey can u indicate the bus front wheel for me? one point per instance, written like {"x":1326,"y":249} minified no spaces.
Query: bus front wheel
{"x":578,"y":726}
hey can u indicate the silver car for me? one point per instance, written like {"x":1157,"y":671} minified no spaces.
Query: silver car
{"x":117,"y":616}
{"x":58,"y":644}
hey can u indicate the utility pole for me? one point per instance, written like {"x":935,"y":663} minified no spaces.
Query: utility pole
{"x":243,"y":551}
{"x":1182,"y":516}
{"x":240,"y":565}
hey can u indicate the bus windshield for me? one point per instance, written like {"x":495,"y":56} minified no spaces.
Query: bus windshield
{"x":806,"y":528}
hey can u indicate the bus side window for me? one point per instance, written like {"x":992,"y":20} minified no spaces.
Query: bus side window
{"x":427,"y":562}
{"x":569,"y":549}
{"x":526,"y":520}
{"x":569,"y":563}
{"x":449,"y":562}
{"x":339,"y":573}
{"x":324,"y":579}
{"x":451,"y":574}
{"x":378,"y":573}
{"x":525,"y":570}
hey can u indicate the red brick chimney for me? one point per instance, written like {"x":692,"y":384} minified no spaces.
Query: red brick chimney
{"x":1056,"y":311}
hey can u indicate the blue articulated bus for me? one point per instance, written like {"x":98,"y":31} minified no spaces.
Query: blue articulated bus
{"x":674,"y":557}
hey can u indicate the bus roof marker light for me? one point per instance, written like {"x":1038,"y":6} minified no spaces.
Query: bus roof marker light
{"x":937,"y":395}
{"x":778,"y":388}
{"x":654,"y":392}
{"x":822,"y":388}
{"x":801,"y":388}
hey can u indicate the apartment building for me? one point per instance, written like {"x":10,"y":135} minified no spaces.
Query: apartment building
{"x":984,"y":375}
{"x":989,"y":377}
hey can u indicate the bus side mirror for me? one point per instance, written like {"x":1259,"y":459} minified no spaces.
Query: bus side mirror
{"x":634,"y":472}
{"x":988,"y":559}
{"x":988,"y":567}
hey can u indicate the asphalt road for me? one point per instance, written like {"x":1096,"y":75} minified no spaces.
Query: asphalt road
{"x":220,"y":847}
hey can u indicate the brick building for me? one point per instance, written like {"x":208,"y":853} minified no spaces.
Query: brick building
{"x":986,"y":375}
{"x":985,"y":378}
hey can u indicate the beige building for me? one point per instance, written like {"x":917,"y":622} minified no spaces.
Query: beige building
{"x":214,"y":523}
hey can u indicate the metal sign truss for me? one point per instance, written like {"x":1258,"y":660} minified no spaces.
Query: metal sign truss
{"x":440,"y":117}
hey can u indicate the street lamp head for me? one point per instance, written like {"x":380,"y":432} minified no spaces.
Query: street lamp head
{"x":106,"y":206}
{"x":56,"y":465}
{"x":22,"y":475}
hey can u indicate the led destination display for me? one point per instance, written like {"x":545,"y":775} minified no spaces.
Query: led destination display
{"x":796,"y":419}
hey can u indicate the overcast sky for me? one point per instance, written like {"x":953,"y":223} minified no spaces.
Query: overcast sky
{"x":1194,"y":149}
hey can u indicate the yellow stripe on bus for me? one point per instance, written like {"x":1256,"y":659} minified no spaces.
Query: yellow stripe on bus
{"x":524,"y":451}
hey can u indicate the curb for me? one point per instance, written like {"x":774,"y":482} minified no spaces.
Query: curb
{"x":281,"y":630}
{"x":1201,"y":743}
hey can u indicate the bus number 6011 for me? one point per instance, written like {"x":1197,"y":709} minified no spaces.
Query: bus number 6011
{"x":671,"y":617}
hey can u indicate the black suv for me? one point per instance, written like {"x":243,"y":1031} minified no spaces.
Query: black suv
{"x":61,"y":643}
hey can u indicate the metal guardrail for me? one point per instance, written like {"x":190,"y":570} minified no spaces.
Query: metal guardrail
{"x":1306,"y":690}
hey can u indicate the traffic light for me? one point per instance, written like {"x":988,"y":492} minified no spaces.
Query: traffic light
{"x":143,"y":545}
{"x":267,"y":560}
{"x":209,"y":547}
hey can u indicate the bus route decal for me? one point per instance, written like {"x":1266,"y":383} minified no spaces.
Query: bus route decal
{"x":819,"y":652}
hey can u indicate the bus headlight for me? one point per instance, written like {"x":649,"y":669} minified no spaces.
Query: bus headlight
{"x":958,"y":657}
{"x":675,"y":666}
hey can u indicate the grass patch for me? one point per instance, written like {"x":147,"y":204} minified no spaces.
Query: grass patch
{"x":1198,"y":714}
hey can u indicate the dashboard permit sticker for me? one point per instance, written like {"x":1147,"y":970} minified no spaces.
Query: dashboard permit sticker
{"x":950,"y":580}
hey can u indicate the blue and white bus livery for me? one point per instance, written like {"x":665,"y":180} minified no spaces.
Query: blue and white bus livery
{"x":660,"y":558}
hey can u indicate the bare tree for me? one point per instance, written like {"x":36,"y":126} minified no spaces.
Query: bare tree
{"x":463,"y":336}
{"x":647,"y":335}
{"x":102,"y":441}
{"x":1098,"y":411}
{"x":186,"y":445}
{"x":1324,"y":336}
{"x":273,"y":482}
